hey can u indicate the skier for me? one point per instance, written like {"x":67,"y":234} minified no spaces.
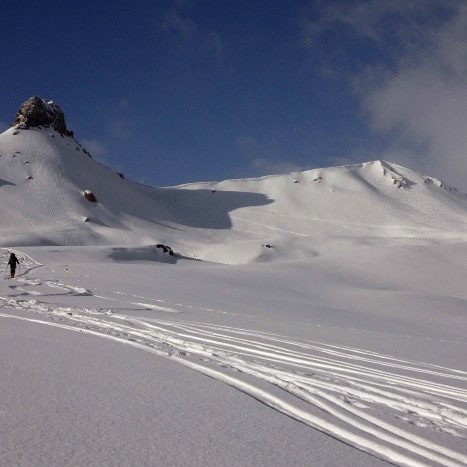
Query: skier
{"x":12,"y":263}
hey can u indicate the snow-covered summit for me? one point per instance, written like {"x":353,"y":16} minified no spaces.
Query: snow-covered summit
{"x":45,"y":174}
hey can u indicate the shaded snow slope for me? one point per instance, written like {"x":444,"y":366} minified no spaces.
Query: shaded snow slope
{"x":325,"y":210}
{"x":43,"y":176}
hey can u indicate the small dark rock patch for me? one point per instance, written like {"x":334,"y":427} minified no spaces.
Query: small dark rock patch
{"x":165,"y":249}
{"x":89,"y":195}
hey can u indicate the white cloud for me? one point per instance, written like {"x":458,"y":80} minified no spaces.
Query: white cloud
{"x":424,"y":101}
{"x":188,"y":35}
{"x":264,"y":166}
{"x":265,"y":157}
{"x":96,"y":149}
{"x":120,"y":128}
{"x":375,"y":20}
{"x":246,"y":143}
{"x":176,"y":20}
{"x":413,"y":84}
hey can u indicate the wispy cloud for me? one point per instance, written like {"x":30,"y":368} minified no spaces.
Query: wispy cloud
{"x":124,"y":103}
{"x":247,"y":144}
{"x":188,"y":35}
{"x":96,"y":149}
{"x":177,"y":19}
{"x":412,"y":82}
{"x":423,"y":100}
{"x":120,"y":128}
{"x":265,"y":157}
{"x":375,"y":19}
{"x":263,"y":166}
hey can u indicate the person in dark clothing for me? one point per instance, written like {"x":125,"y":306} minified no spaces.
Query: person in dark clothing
{"x":12,"y":262}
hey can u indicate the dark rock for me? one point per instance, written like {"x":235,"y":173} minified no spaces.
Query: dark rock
{"x":89,"y":195}
{"x":37,"y":112}
{"x":165,"y":249}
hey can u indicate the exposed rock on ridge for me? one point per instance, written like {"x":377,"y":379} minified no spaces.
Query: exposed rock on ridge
{"x":36,"y":112}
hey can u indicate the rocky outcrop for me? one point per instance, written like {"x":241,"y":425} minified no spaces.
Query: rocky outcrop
{"x":89,"y":195}
{"x":166,"y":249}
{"x":37,"y":112}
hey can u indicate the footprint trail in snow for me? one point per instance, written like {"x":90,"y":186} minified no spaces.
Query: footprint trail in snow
{"x":386,"y":406}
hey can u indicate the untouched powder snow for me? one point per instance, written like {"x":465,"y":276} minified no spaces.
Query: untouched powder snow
{"x":315,"y":318}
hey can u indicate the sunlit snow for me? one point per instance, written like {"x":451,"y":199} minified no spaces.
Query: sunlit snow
{"x":314,"y":318}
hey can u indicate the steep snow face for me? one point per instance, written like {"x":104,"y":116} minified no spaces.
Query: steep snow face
{"x":43,"y":177}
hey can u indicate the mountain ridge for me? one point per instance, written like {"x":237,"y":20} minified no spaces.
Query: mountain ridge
{"x":44,"y":174}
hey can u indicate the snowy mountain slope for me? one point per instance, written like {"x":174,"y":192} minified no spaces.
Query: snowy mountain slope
{"x":44,"y":175}
{"x":329,"y":209}
{"x":335,"y":333}
{"x":50,"y":205}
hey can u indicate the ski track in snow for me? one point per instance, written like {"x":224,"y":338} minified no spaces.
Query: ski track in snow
{"x":362,"y":398}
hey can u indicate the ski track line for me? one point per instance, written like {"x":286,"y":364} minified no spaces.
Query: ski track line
{"x":387,"y":432}
{"x":67,"y":288}
{"x":334,"y":221}
{"x":358,"y":392}
{"x":362,"y":443}
{"x":320,"y":348}
{"x":270,"y":227}
{"x":413,"y":445}
{"x":169,"y":309}
{"x":202,"y":349}
{"x":250,"y":351}
{"x":306,"y":362}
{"x":148,"y":306}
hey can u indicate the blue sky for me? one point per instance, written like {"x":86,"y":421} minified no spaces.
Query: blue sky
{"x":175,"y":91}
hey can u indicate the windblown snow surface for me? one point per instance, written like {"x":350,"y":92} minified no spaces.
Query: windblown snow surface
{"x":315,"y":318}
